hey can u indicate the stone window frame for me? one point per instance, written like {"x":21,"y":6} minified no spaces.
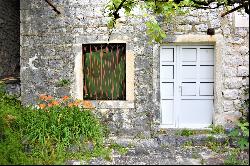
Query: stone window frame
{"x":96,"y":48}
{"x":77,"y":86}
{"x":190,"y":39}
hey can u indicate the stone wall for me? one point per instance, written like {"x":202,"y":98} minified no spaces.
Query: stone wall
{"x":9,"y":38}
{"x":50,"y":44}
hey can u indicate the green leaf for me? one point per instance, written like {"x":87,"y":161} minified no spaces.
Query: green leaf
{"x":243,"y":143}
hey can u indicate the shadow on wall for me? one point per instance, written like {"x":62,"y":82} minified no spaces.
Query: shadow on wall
{"x":10,"y":45}
{"x":9,"y":38}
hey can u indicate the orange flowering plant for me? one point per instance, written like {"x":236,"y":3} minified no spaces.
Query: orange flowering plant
{"x":46,"y":101}
{"x":67,"y":111}
{"x":44,"y":133}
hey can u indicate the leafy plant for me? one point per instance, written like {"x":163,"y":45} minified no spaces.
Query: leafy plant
{"x":63,"y":83}
{"x":155,"y":32}
{"x":245,"y":105}
{"x":240,"y":134}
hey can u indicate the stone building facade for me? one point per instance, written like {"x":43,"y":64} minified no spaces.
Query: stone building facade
{"x":51,"y":51}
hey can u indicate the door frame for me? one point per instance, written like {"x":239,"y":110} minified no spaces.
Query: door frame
{"x":218,"y":50}
{"x":219,"y":44}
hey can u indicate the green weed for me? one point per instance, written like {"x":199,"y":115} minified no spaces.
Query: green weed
{"x":234,"y":159}
{"x":217,"y":129}
{"x":187,"y":145}
{"x":185,"y":132}
{"x":240,"y":134}
{"x":63,"y":83}
{"x":121,"y":149}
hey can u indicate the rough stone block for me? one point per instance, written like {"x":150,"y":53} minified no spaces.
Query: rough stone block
{"x":201,"y":27}
{"x":241,"y":32}
{"x":237,"y":104}
{"x":235,"y":40}
{"x":184,"y":28}
{"x":227,"y":31}
{"x":98,"y":1}
{"x":191,"y":20}
{"x":244,"y":50}
{"x":245,"y":81}
{"x":215,"y":23}
{"x":243,"y":71}
{"x":228,"y":105}
{"x":246,"y":60}
{"x":231,"y":93}
{"x":233,"y":82}
{"x":233,"y":60}
{"x":230,"y":71}
{"x":232,"y":116}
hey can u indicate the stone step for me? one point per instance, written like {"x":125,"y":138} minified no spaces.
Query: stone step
{"x":153,"y":151}
{"x":195,"y":140}
{"x":173,"y":140}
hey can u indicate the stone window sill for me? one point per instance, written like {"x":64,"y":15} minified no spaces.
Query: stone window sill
{"x":104,"y":104}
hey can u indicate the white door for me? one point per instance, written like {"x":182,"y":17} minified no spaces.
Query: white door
{"x":186,"y":86}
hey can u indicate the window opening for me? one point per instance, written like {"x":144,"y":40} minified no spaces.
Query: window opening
{"x":104,"y":69}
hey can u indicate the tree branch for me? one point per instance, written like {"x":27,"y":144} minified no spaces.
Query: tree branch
{"x":54,"y":8}
{"x":232,"y":10}
{"x":198,"y":4}
{"x":115,"y":13}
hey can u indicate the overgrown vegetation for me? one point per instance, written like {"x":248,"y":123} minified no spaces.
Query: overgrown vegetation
{"x":56,"y":131}
{"x":235,"y":158}
{"x":239,"y":136}
{"x":239,"y":139}
{"x":238,"y":149}
{"x":236,"y":146}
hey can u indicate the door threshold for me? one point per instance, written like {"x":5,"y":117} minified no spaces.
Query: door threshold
{"x":193,"y":127}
